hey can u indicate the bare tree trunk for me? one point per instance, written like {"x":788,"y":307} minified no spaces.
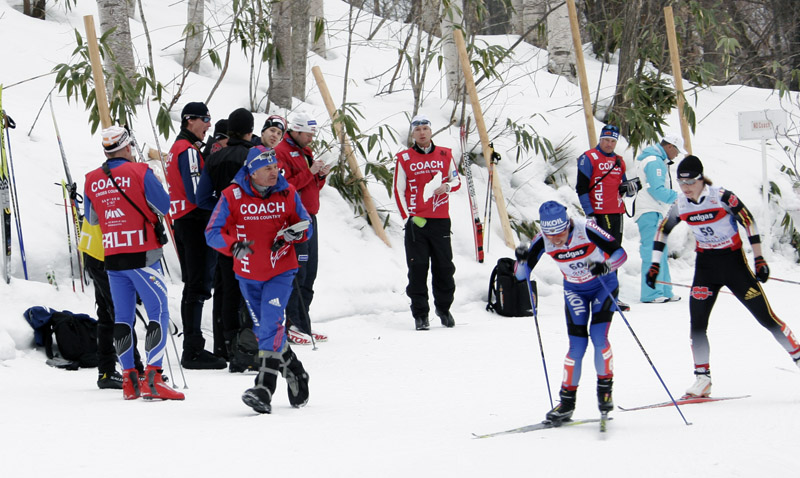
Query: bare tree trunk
{"x":525,"y":14}
{"x":195,"y":27}
{"x":300,"y":21}
{"x":114,"y":14}
{"x":34,"y":8}
{"x":451,"y":19}
{"x":280,"y":88}
{"x":559,"y":44}
{"x":628,"y":56}
{"x":429,"y":17}
{"x":316,"y":12}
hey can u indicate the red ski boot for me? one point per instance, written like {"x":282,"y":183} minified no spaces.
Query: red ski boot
{"x":130,"y":384}
{"x":154,"y":388}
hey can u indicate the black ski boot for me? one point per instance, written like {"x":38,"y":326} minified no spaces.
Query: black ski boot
{"x":259,"y":398}
{"x":563,"y":411}
{"x":296,"y":377}
{"x":604,"y":401}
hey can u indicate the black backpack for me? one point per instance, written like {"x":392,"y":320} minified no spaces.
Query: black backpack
{"x":507,"y":295}
{"x":75,"y":335}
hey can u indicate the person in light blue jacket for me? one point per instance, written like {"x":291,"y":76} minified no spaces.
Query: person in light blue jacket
{"x":651,"y":205}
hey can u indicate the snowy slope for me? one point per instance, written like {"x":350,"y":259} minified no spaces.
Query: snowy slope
{"x":387,"y":400}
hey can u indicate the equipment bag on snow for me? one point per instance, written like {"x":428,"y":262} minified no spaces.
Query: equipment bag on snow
{"x":507,"y":295}
{"x":75,"y":336}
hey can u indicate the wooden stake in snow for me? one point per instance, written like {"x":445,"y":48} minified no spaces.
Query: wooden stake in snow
{"x":676,"y":73}
{"x":499,"y":200}
{"x":369,"y":205}
{"x":581,"y":65}
{"x":97,"y":72}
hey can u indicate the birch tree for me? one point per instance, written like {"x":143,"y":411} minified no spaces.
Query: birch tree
{"x":452,"y":18}
{"x":559,"y":44}
{"x":316,"y":13}
{"x":114,"y":14}
{"x":194,"y":31}
{"x":280,"y":85}
{"x":299,"y":53}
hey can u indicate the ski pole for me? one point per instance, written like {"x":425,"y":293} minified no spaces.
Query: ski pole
{"x":180,"y":365}
{"x":538,"y":333}
{"x":689,"y":287}
{"x":69,"y":237}
{"x":9,"y":123}
{"x":641,"y":347}
{"x":785,"y":280}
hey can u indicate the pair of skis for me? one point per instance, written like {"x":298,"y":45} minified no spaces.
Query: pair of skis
{"x":477,"y":226}
{"x":604,"y":418}
{"x":8,"y":196}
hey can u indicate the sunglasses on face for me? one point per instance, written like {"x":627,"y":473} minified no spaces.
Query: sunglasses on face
{"x":688,"y":181}
{"x":206,"y":119}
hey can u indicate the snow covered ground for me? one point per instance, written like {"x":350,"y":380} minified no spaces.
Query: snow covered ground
{"x":387,"y":400}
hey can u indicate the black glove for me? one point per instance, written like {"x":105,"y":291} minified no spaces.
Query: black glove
{"x":652,"y":273}
{"x":599,"y":268}
{"x":241,"y":249}
{"x":629,"y":188}
{"x":762,"y":269}
{"x":522,"y":251}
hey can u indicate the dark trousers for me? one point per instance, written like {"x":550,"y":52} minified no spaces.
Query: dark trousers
{"x":713,"y":270}
{"x":197,"y":273}
{"x":308,"y":263}
{"x":429,"y":246}
{"x":106,"y":354}
{"x":612,"y":224}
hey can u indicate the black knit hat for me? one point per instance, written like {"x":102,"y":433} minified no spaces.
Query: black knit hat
{"x":221,"y":129}
{"x":690,"y":167}
{"x":240,"y":122}
{"x":194,"y":109}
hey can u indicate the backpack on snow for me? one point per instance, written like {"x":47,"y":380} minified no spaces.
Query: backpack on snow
{"x":75,"y":336}
{"x":507,"y":295}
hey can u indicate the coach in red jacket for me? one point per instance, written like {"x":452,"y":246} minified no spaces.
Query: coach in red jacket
{"x":424,"y":177}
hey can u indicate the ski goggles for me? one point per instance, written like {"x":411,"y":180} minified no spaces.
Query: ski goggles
{"x":423,"y":122}
{"x":206,"y":119}
{"x":688,"y":181}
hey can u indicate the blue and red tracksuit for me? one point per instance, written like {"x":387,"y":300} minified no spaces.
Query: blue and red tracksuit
{"x":265,"y":276}
{"x":584,"y":294}
{"x":132,"y":252}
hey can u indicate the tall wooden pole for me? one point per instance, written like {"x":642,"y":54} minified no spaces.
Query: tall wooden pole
{"x":581,"y":65}
{"x":97,"y":72}
{"x":499,"y":200}
{"x":678,"y":78}
{"x":369,"y":205}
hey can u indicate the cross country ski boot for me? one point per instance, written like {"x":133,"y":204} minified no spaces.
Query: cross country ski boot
{"x":130,"y":384}
{"x":259,"y":398}
{"x":154,"y":387}
{"x":563,"y":411}
{"x":296,"y":377}
{"x":701,"y":387}
{"x":604,"y":401}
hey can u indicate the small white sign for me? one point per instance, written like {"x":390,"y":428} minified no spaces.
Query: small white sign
{"x":764,"y":124}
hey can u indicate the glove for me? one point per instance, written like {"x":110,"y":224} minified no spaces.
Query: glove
{"x":628,"y":188}
{"x":599,"y":268}
{"x":522,"y":252}
{"x":652,"y":273}
{"x":762,"y":269}
{"x":241,"y":249}
{"x":290,"y":236}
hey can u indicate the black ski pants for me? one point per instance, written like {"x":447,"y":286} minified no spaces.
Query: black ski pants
{"x":429,"y":246}
{"x":717,"y":268}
